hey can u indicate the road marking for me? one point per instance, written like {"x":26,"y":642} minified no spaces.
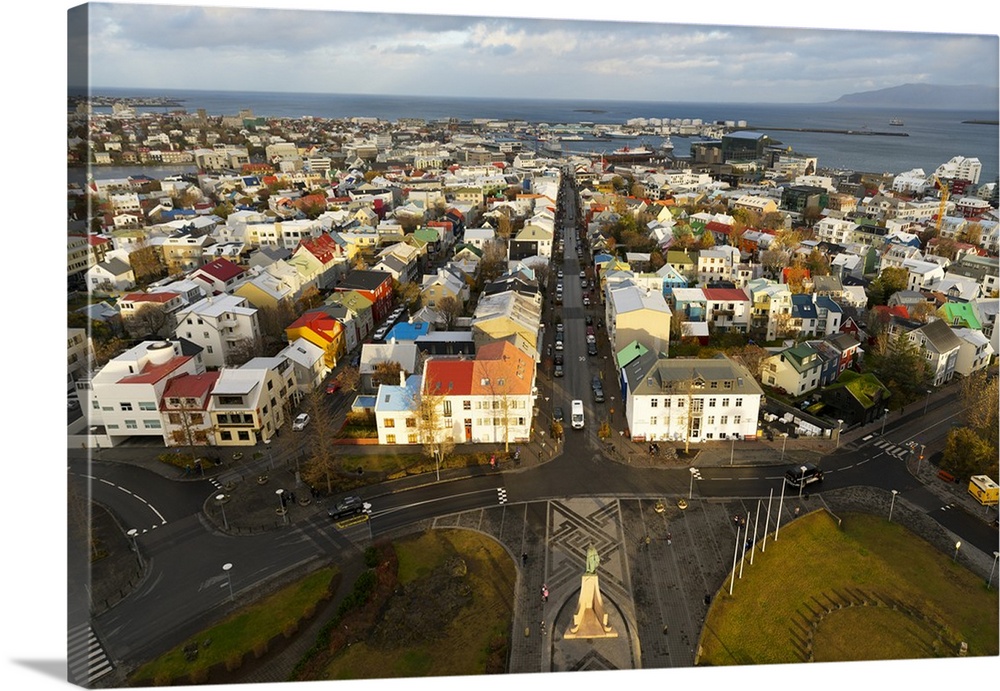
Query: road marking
{"x":86,"y":658}
{"x":502,"y":495}
{"x":163,"y":521}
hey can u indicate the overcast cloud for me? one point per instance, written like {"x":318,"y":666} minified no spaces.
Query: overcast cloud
{"x":658,"y":54}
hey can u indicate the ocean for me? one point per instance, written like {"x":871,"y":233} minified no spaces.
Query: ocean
{"x":933,"y":136}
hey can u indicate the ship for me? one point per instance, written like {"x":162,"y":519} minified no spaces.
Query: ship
{"x":627,"y":154}
{"x":896,"y":122}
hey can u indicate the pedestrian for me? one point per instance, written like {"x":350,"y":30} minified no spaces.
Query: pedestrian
{"x":796,"y":512}
{"x":545,"y":593}
{"x":291,"y":496}
{"x":524,"y":558}
{"x":669,"y":537}
{"x":493,"y":461}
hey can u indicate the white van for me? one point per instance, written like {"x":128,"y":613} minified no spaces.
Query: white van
{"x":576,"y":416}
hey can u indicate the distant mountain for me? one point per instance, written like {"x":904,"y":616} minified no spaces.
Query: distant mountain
{"x":934,"y":96}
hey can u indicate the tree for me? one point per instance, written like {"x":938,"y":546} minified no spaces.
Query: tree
{"x":980,"y":396}
{"x":242,"y":351}
{"x":493,"y":263}
{"x":450,"y":309}
{"x":146,"y":321}
{"x":349,"y":378}
{"x":386,"y":372}
{"x":145,"y":261}
{"x":901,"y":367}
{"x":890,"y":281}
{"x":818,"y":263}
{"x":921,"y":311}
{"x":408,"y":293}
{"x":795,"y":277}
{"x":966,"y":454}
{"x":972,"y":233}
{"x":751,"y":356}
{"x":433,"y":431}
{"x":322,"y":465}
{"x":774,"y":258}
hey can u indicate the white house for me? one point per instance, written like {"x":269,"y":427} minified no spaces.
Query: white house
{"x":221,"y":324}
{"x":689,"y":399}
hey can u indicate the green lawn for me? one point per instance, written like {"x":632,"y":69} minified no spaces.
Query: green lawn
{"x":246,"y":631}
{"x":899,"y":599}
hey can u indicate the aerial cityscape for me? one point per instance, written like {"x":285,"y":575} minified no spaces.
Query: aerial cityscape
{"x":365,"y":385}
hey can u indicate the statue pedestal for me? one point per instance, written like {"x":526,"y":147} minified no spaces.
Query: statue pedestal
{"x":590,"y":620}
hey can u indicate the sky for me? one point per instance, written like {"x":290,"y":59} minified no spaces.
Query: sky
{"x":313,"y":53}
{"x":606,"y":53}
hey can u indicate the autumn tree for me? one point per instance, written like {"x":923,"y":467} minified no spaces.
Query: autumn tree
{"x":751,"y":356}
{"x":972,"y":234}
{"x":386,"y":372}
{"x":980,"y":396}
{"x":145,"y":261}
{"x":349,"y":378}
{"x":966,"y":454}
{"x":408,"y":294}
{"x":272,"y":322}
{"x":921,"y":311}
{"x":796,"y":277}
{"x":818,"y":263}
{"x":493,"y":262}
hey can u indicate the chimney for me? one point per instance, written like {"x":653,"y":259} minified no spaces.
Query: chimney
{"x":402,"y":378}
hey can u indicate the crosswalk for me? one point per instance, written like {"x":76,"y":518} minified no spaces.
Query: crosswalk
{"x":501,"y":495}
{"x":900,"y":452}
{"x":86,"y":659}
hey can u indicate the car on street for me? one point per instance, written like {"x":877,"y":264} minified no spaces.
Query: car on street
{"x":560,"y":274}
{"x":599,"y":395}
{"x":333,"y":386}
{"x":300,"y":422}
{"x":560,"y":327}
{"x":583,"y":274}
{"x":557,"y":371}
{"x":586,"y":301}
{"x":559,"y":344}
{"x":803,"y":475}
{"x":559,"y":359}
{"x":347,"y":507}
{"x":591,"y":348}
{"x":596,"y":383}
{"x":355,"y":360}
{"x":557,"y":414}
{"x":589,"y":320}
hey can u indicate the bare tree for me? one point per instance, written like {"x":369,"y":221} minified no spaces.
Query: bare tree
{"x":752,"y":357}
{"x":433,"y":432}
{"x":349,"y":378}
{"x":147,"y":320}
{"x":450,"y":309}
{"x":322,"y":464}
{"x":242,"y":351}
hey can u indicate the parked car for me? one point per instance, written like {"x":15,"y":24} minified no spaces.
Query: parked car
{"x":559,"y":359}
{"x":333,"y":386}
{"x":599,"y":395}
{"x":300,"y":422}
{"x":583,"y":274}
{"x":347,"y":507}
{"x":589,"y":320}
{"x":557,"y":414}
{"x":596,"y":383}
{"x":557,"y":371}
{"x":560,"y":273}
{"x":559,"y":344}
{"x":591,"y":348}
{"x":586,"y":301}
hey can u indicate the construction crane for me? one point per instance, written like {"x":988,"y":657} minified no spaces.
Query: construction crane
{"x":943,"y":193}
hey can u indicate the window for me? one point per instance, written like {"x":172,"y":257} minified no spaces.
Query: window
{"x":714,"y":385}
{"x":466,"y":405}
{"x":652,"y":420}
{"x":736,"y":419}
{"x":724,"y":420}
{"x":146,"y":405}
{"x":680,"y":403}
{"x":197,"y":419}
{"x":739,"y":402}
{"x":411,"y":439}
{"x":131,"y":424}
{"x":126,"y":407}
{"x":151,"y":424}
{"x":390,"y":422}
{"x":666,"y":402}
{"x":390,"y":439}
{"x":447,"y":408}
{"x":711,"y":419}
{"x":725,"y":402}
{"x":711,"y":403}
{"x":174,"y":419}
{"x":653,"y":403}
{"x":243,"y":435}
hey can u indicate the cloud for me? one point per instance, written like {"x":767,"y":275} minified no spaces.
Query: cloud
{"x":358,"y":52}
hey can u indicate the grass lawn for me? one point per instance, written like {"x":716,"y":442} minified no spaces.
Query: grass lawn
{"x":246,"y":631}
{"x":453,"y":616}
{"x":919,"y":603}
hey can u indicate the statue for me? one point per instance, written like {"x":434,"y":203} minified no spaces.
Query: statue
{"x":593,"y":560}
{"x":591,"y":619}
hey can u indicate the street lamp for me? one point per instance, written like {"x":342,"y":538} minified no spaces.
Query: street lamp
{"x":221,"y":498}
{"x":955,"y":556}
{"x":777,"y":520}
{"x":732,"y":450}
{"x":892,"y":502}
{"x":996,"y":555}
{"x":920,"y":458}
{"x":135,"y":545}
{"x":784,"y":441}
{"x":229,"y":579}
{"x":694,"y":473}
{"x":802,"y":483}
{"x":840,"y":430}
{"x":885,"y":417}
{"x":281,"y":504}
{"x":927,"y":400}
